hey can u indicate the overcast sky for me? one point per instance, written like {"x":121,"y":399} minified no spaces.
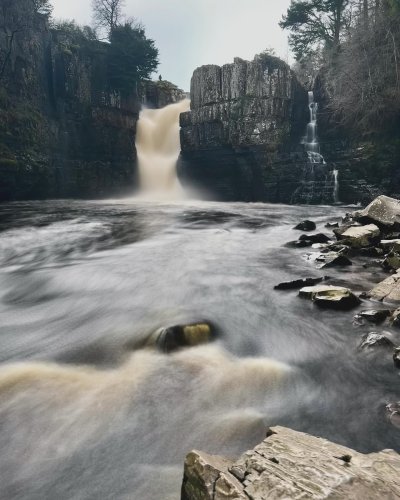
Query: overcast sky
{"x":190,"y":33}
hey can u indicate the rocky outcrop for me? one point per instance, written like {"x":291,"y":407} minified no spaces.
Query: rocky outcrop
{"x":160,"y":93}
{"x":290,"y":464}
{"x":244,"y":118}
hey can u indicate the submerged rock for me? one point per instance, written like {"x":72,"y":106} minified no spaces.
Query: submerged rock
{"x":383,"y":211}
{"x":395,"y":318}
{"x":373,"y":339}
{"x":396,"y":357}
{"x":290,"y":464}
{"x":332,"y":225}
{"x":306,"y":225}
{"x":300,"y":283}
{"x":393,"y":413}
{"x":363,"y":236}
{"x":174,"y":337}
{"x":331,"y":297}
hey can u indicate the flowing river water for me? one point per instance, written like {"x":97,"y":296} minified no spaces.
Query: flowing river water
{"x":86,"y":412}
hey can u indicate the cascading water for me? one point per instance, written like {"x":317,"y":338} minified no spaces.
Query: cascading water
{"x":336,"y":186}
{"x":311,"y":141}
{"x":158,"y":148}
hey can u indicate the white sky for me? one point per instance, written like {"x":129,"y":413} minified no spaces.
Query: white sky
{"x":190,"y":33}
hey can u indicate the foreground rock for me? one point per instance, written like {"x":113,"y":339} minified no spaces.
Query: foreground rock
{"x":363,"y":236}
{"x":306,"y":225}
{"x":387,"y":290}
{"x":373,"y":315}
{"x":331,"y":297}
{"x":293,"y":465}
{"x":333,"y":259}
{"x":383,"y":211}
{"x":300,"y":283}
{"x":174,"y":337}
{"x":393,"y":413}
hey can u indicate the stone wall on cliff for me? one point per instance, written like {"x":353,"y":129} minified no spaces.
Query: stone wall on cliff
{"x":244,"y":117}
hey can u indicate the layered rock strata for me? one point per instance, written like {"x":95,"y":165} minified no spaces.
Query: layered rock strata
{"x":244,"y":118}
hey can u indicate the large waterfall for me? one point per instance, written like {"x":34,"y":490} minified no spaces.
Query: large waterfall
{"x":158,"y":147}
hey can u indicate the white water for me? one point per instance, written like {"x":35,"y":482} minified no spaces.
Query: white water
{"x":158,"y":147}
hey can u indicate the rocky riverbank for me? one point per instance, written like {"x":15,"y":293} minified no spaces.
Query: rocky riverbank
{"x":291,"y":464}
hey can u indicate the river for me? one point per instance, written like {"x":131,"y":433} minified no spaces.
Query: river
{"x":87,"y":413}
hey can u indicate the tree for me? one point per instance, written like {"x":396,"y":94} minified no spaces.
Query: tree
{"x":131,"y":57}
{"x":314,"y":22}
{"x":107,"y":14}
{"x":43,"y":7}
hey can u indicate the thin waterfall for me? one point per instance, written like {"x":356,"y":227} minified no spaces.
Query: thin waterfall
{"x":158,"y":148}
{"x":311,"y":144}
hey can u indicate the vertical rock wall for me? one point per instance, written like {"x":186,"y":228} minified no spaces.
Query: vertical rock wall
{"x":245,"y":119}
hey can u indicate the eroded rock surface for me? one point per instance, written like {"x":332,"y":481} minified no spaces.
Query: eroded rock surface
{"x":290,"y":464}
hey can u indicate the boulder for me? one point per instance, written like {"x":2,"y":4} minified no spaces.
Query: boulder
{"x":383,"y":211}
{"x":293,"y":465}
{"x":332,"y":225}
{"x":374,"y":315}
{"x":333,"y":259}
{"x":373,"y":340}
{"x":363,"y":236}
{"x":331,"y":297}
{"x":306,"y":225}
{"x":174,"y":337}
{"x":395,"y":318}
{"x":315,"y":238}
{"x":387,"y":290}
{"x":300,"y":283}
{"x":299,"y":244}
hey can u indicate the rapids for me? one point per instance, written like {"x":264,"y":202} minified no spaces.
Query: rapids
{"x":87,"y":413}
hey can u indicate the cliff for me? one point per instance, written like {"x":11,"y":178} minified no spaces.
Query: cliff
{"x":244,"y":119}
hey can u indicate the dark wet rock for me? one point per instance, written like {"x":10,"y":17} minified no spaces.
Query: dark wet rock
{"x":395,"y":318}
{"x":393,"y":413}
{"x":306,"y":225}
{"x":387,"y":290}
{"x":371,"y":252}
{"x":383,"y":211}
{"x":396,"y":357}
{"x":392,"y":261}
{"x":315,"y":238}
{"x":291,"y":464}
{"x":361,"y":236}
{"x":333,"y":259}
{"x":299,"y":244}
{"x":374,"y":315}
{"x":174,"y":337}
{"x":332,"y":225}
{"x":339,"y":248}
{"x":374,"y":340}
{"x":391,"y":245}
{"x":300,"y":283}
{"x":331,"y":297}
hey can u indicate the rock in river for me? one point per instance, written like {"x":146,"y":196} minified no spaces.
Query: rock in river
{"x":331,"y":297}
{"x":396,"y":357}
{"x":315,"y":238}
{"x":333,"y":259}
{"x":388,"y":289}
{"x":306,"y":225}
{"x":293,"y":465}
{"x":300,"y":283}
{"x":373,"y":315}
{"x":174,"y":337}
{"x":373,"y":340}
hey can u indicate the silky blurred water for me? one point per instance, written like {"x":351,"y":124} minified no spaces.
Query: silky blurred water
{"x":87,"y":413}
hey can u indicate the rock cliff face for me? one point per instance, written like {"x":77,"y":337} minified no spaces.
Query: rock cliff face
{"x":244,"y":119}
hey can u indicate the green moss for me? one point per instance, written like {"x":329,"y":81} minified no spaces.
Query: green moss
{"x":8,"y":162}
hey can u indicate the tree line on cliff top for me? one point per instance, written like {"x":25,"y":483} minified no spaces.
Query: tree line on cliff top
{"x":131,"y":56}
{"x":355,"y":46}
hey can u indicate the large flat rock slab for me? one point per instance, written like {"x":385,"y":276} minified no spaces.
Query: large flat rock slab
{"x":293,"y":465}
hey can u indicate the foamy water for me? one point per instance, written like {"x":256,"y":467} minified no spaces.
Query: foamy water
{"x":86,"y":412}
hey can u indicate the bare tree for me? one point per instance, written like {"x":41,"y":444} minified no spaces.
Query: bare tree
{"x":107,"y":14}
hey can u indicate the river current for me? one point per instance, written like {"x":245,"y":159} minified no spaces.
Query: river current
{"x":86,"y":412}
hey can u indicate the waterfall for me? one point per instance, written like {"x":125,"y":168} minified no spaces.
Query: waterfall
{"x":311,"y":144}
{"x":336,"y":186}
{"x":158,"y":148}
